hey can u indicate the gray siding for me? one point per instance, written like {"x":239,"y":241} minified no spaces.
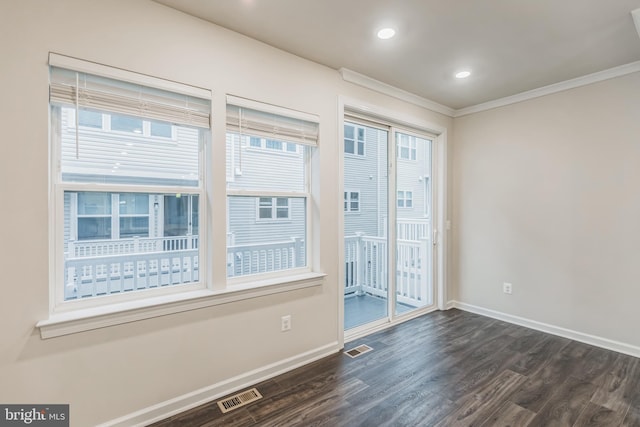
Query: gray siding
{"x":248,"y":229}
{"x":414,"y":176}
{"x":146,"y":157}
{"x":364,"y":174}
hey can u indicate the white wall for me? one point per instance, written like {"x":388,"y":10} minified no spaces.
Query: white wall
{"x":114,"y":371}
{"x":546,"y":197}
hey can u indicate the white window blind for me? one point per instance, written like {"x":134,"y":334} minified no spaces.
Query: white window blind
{"x":84,"y":90}
{"x":271,"y":122}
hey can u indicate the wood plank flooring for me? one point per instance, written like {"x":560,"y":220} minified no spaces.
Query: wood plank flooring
{"x":447,"y":369}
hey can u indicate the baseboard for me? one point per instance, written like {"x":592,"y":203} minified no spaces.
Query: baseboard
{"x":605,"y":343}
{"x":207,"y":394}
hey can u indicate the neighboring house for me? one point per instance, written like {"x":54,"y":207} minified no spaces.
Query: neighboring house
{"x":366,"y":181}
{"x":101,"y":216}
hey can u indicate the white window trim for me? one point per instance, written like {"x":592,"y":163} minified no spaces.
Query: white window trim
{"x":274,"y":210}
{"x":348,"y":200}
{"x":404,"y":199}
{"x":355,"y":153}
{"x":114,"y":303}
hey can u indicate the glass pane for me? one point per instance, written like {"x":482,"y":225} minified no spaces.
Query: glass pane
{"x":176,"y":215}
{"x":91,"y":119}
{"x":265,"y":213}
{"x":366,"y":257}
{"x":349,"y":132}
{"x":134,"y":226}
{"x":274,"y":145}
{"x":128,"y":157}
{"x":195,"y":217}
{"x":94,"y":203}
{"x":255,"y":247}
{"x":126,"y":123}
{"x":161,"y":129}
{"x":94,"y":228}
{"x":152,"y":250}
{"x":134,"y":203}
{"x":349,"y":146}
{"x":255,"y":142}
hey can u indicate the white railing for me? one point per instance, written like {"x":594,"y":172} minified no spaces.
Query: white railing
{"x":134,"y":245}
{"x":412,"y":229}
{"x":366,"y":270}
{"x":86,"y":277}
{"x":265,"y":257}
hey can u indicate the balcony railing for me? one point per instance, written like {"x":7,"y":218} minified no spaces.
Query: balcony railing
{"x":366,"y":268}
{"x":111,"y":266}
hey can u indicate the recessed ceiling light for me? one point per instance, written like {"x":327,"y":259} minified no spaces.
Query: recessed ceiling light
{"x":463,"y":74}
{"x":386,"y":33}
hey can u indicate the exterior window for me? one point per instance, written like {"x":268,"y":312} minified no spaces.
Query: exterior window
{"x":90,"y":119}
{"x":353,"y":139}
{"x":268,"y":199}
{"x":134,"y":215}
{"x":119,"y":237}
{"x":126,"y":124}
{"x":273,"y":208}
{"x":407,"y":147}
{"x":272,"y":144}
{"x":352,"y":201}
{"x":94,"y":216}
{"x":161,"y":129}
{"x":405,"y":199}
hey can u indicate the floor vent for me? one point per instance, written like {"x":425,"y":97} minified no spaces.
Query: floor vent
{"x":238,"y":400}
{"x":355,"y":352}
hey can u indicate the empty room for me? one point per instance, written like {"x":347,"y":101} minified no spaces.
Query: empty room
{"x":336,"y":213}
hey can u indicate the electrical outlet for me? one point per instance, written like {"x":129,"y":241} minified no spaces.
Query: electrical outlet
{"x":286,"y":323}
{"x":507,"y":288}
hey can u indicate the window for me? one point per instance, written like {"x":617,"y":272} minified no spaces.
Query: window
{"x":94,"y":216}
{"x":273,"y":208}
{"x":117,"y":236}
{"x":406,"y":147}
{"x":272,"y":144}
{"x":405,"y":199}
{"x":126,"y":123}
{"x":91,"y":119}
{"x":134,"y":215}
{"x":354,"y":139}
{"x":268,"y":200}
{"x":352,"y":201}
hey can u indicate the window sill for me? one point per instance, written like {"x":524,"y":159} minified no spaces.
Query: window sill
{"x":60,"y":324}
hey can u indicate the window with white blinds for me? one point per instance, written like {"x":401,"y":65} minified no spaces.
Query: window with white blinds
{"x":268,"y":188}
{"x":128,"y":181}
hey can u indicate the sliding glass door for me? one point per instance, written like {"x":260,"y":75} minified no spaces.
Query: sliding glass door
{"x":388,"y":247}
{"x":366,"y":250}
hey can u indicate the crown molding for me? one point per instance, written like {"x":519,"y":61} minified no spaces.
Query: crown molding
{"x":378,"y":86}
{"x":611,"y":73}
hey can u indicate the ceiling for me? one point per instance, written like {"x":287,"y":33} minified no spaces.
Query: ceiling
{"x":511,"y":46}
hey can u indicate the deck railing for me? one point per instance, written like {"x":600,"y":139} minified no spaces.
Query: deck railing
{"x":134,"y":245}
{"x":265,"y":257}
{"x":366,"y":271}
{"x":92,"y":276}
{"x":111,"y":266}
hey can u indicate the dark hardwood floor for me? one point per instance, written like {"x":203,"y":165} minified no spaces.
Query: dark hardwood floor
{"x":447,"y":369}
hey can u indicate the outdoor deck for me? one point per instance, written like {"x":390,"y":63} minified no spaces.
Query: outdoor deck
{"x":362,"y":309}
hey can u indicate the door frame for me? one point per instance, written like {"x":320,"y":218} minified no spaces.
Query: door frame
{"x":440,"y":222}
